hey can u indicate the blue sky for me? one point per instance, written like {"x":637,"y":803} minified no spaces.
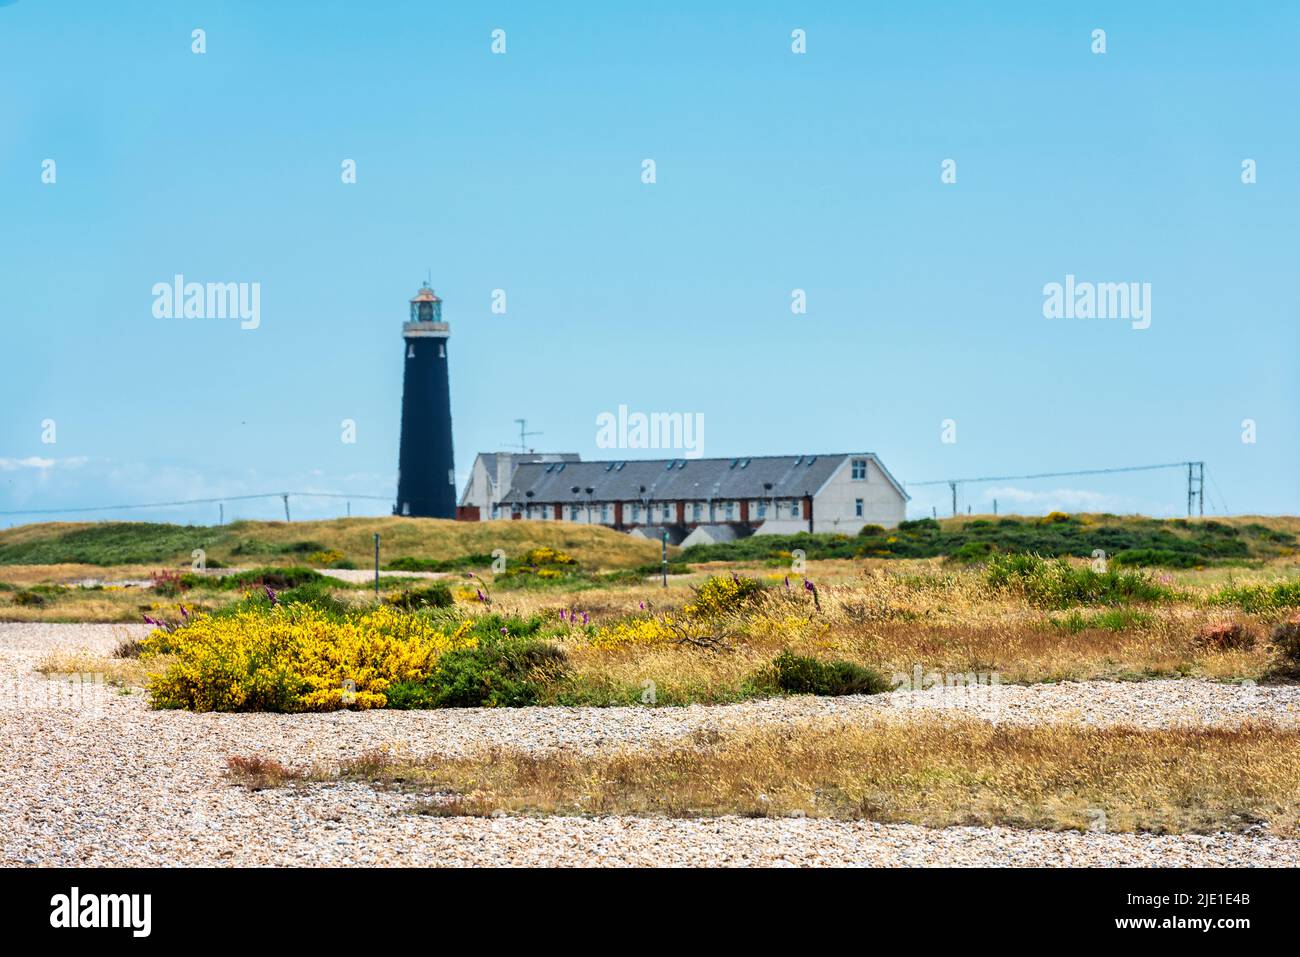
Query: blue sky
{"x":775,"y":171}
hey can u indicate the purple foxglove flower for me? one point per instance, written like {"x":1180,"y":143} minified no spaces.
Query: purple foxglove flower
{"x":481,"y":597}
{"x":184,"y":613}
{"x":787,"y":582}
{"x":585,"y":618}
{"x":643,"y":606}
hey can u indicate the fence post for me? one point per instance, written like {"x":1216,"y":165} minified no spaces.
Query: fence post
{"x":665,"y":560}
{"x":376,"y":566}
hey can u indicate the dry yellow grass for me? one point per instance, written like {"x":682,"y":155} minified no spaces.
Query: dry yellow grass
{"x":26,"y":575}
{"x":893,"y":622}
{"x":935,"y":772}
{"x":121,"y":672}
{"x":594,"y":546}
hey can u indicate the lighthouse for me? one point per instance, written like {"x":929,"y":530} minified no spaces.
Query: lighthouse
{"x":426,"y":473}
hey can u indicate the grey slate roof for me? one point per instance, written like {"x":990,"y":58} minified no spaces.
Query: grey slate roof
{"x":791,"y":476}
{"x":718,"y":532}
{"x":490,"y":458}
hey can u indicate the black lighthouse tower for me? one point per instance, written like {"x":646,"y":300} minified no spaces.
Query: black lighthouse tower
{"x":426,"y":474}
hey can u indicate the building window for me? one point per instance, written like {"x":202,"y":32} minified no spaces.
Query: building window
{"x":860,"y":469}
{"x":496,"y":511}
{"x":636,"y":513}
{"x":857,"y":507}
{"x":668,"y":511}
{"x":795,"y":511}
{"x":604,"y":514}
{"x":729,"y":511}
{"x":697,"y":512}
{"x":762,"y":509}
{"x":573,"y":512}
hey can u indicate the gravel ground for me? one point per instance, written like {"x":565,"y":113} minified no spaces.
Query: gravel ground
{"x":135,"y":786}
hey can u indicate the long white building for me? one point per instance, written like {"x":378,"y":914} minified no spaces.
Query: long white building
{"x":693,"y":500}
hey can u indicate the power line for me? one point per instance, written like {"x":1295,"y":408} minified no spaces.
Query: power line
{"x":189,"y":501}
{"x":1038,"y":475}
{"x":1219,"y":492}
{"x":1195,"y":480}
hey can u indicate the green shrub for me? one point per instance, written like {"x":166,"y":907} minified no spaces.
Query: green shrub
{"x":920,"y":526}
{"x":431,"y":596}
{"x":317,"y":594}
{"x":276,"y":579}
{"x":1058,"y":584}
{"x":800,"y":674}
{"x":1157,"y":557}
{"x":1260,"y":598}
{"x":30,"y":599}
{"x":503,"y":672}
{"x":407,"y":563}
{"x":972,"y":552}
{"x":1173,"y":544}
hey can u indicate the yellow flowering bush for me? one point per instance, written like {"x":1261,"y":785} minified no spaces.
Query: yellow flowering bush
{"x":716,"y":597}
{"x":297,"y":658}
{"x":723,"y":594}
{"x":327,"y":556}
{"x":548,"y":556}
{"x":637,"y":631}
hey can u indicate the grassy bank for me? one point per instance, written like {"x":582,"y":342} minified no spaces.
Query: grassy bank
{"x":344,"y":542}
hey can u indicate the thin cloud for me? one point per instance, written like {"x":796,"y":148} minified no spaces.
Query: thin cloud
{"x":38,"y":463}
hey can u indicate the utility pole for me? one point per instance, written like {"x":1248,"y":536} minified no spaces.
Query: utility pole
{"x":285,"y":496}
{"x":995,"y":506}
{"x":953,"y":486}
{"x":376,"y":566}
{"x":221,"y":513}
{"x":1196,"y":487}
